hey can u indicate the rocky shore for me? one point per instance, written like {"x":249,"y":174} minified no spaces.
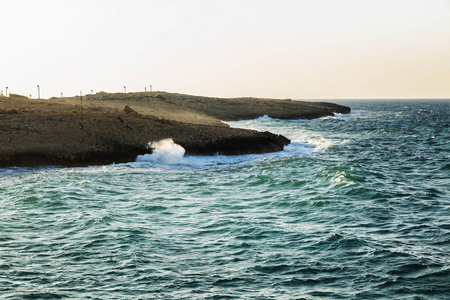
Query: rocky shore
{"x":109,"y":128}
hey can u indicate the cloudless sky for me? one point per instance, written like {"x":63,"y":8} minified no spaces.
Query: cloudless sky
{"x":300,"y":49}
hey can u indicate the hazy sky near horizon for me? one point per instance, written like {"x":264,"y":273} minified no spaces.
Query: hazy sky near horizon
{"x":300,"y":49}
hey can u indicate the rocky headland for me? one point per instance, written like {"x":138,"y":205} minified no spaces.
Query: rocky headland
{"x":104,"y":128}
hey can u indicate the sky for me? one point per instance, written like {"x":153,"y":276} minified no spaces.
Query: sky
{"x":299,"y":49}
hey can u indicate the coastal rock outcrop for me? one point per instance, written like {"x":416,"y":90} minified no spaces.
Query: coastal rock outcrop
{"x":47,"y":132}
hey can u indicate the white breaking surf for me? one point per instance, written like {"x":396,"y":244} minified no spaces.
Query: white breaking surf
{"x":165,"y":151}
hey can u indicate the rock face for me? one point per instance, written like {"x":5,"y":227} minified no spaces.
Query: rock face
{"x":31,"y":138}
{"x":47,"y":132}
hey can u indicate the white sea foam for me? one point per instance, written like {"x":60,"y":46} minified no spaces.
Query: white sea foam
{"x":165,"y":151}
{"x":168,"y":154}
{"x":266,"y":117}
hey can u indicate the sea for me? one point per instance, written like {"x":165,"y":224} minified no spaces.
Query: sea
{"x":356,"y":207}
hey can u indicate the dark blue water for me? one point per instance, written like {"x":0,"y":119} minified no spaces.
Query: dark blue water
{"x":357,"y":207}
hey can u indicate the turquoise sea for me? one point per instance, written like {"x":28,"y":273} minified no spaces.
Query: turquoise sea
{"x":357,"y":207}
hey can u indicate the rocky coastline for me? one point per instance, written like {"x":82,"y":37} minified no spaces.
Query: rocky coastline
{"x":114,"y":128}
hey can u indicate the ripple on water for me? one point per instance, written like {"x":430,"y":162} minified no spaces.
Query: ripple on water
{"x":365,"y":217}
